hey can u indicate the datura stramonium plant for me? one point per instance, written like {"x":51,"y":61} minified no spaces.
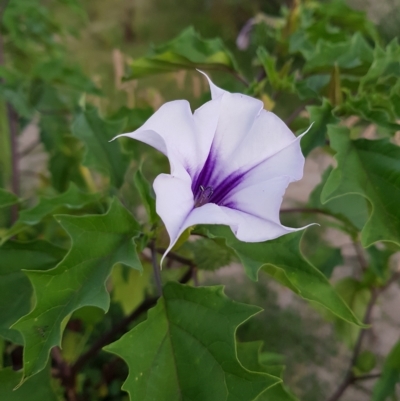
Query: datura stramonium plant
{"x":231,"y":162}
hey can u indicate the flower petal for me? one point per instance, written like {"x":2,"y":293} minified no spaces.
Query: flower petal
{"x":172,"y":131}
{"x":261,"y":199}
{"x":236,"y":118}
{"x":175,"y":206}
{"x":267,"y":136}
{"x":252,"y":228}
{"x":216,"y":92}
{"x":174,"y":202}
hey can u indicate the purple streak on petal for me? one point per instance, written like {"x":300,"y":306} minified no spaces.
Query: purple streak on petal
{"x":204,"y":177}
{"x":225,"y":186}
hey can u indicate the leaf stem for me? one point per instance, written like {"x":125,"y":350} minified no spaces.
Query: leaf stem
{"x":156,"y":268}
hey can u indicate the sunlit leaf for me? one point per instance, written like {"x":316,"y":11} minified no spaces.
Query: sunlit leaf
{"x":129,"y":286}
{"x":186,"y":349}
{"x":187,"y":51}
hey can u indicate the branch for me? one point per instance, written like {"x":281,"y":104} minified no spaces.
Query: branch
{"x":176,"y":257}
{"x":350,"y":378}
{"x":64,"y":373}
{"x":360,"y":255}
{"x":294,"y":114}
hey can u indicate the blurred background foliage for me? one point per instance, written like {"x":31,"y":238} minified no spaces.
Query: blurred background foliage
{"x":68,"y":71}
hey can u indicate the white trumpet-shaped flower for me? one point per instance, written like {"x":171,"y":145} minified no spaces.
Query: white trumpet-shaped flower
{"x":231,"y":162}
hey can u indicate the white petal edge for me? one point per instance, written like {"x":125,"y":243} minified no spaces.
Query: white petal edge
{"x":216,"y":92}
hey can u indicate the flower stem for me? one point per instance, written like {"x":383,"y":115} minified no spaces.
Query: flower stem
{"x":156,"y":268}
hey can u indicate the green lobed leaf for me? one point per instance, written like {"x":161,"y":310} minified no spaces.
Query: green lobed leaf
{"x":208,"y":254}
{"x":357,"y":296}
{"x":72,"y":199}
{"x":282,"y":259}
{"x":320,"y":117}
{"x":374,"y":107}
{"x":386,"y":65}
{"x":39,"y":388}
{"x":279,"y":80}
{"x":352,"y":210}
{"x":98,"y":243}
{"x":7,"y":198}
{"x":186,"y":51}
{"x":370,"y":169}
{"x":15,"y":289}
{"x":249,"y":355}
{"x":186,"y":349}
{"x":354,"y":55}
{"x":385,"y":386}
{"x":326,"y":258}
{"x":101,"y":154}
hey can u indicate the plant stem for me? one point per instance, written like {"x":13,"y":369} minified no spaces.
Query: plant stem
{"x":156,"y":268}
{"x":350,"y":378}
{"x":12,"y":118}
{"x":121,"y":326}
{"x":109,"y":336}
{"x":64,"y":373}
{"x":13,"y":130}
{"x":294,"y":114}
{"x":176,"y":257}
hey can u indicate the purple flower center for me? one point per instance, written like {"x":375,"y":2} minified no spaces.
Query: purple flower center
{"x":212,"y":185}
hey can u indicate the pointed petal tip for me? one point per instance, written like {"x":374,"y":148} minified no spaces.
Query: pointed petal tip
{"x":306,"y":131}
{"x":216,"y":92}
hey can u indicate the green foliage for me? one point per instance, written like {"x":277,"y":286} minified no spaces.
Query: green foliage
{"x":375,"y":175}
{"x":209,"y":255}
{"x":100,"y":154}
{"x":73,"y":199}
{"x":320,"y":117}
{"x":357,"y":296}
{"x":282,"y":259}
{"x":15,"y":259}
{"x":7,"y":198}
{"x":146,"y":194}
{"x":38,"y":389}
{"x":188,"y":50}
{"x":78,"y":280}
{"x":206,"y":344}
{"x":385,"y":386}
{"x":80,"y":284}
{"x":249,"y":355}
